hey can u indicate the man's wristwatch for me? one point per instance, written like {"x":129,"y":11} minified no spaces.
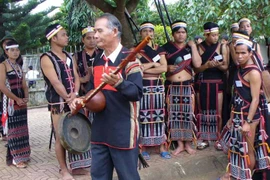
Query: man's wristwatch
{"x":249,"y":121}
{"x":77,"y":94}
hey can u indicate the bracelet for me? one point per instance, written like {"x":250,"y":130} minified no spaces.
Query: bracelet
{"x":249,"y":121}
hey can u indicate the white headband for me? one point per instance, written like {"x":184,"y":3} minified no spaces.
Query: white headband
{"x":245,"y":42}
{"x":240,"y":36}
{"x":12,"y":46}
{"x":53,"y":32}
{"x":244,"y":20}
{"x":235,"y":25}
{"x":88,"y":29}
{"x":179,"y":24}
{"x":214,"y":29}
{"x":147,"y":25}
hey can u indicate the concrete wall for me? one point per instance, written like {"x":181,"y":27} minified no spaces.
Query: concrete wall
{"x":264,"y":54}
{"x":37,"y":94}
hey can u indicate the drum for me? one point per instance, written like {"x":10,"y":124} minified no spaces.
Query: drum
{"x":75,"y":132}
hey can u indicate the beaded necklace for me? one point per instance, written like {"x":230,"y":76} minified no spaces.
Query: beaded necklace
{"x":16,"y":68}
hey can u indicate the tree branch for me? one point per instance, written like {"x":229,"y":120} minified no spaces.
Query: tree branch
{"x":102,"y":5}
{"x":131,"y":5}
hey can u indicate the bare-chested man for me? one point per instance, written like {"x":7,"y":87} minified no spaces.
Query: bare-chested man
{"x":181,"y":58}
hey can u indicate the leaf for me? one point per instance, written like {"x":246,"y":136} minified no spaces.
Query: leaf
{"x":248,"y":2}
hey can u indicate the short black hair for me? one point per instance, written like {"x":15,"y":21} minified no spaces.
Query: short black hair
{"x":242,"y":32}
{"x":209,"y":25}
{"x":7,"y":37}
{"x":225,"y":37}
{"x":197,"y":37}
{"x":30,"y":67}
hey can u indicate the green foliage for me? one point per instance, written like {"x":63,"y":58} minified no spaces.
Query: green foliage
{"x":27,"y":28}
{"x":160,"y":37}
{"x":224,"y":13}
{"x":198,"y":12}
{"x":78,"y":15}
{"x":146,"y":11}
{"x":142,"y":12}
{"x":22,"y":35}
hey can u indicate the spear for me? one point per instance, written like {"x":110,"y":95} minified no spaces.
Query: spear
{"x":130,"y":20}
{"x":157,"y":3}
{"x":168,"y":16}
{"x":135,"y":25}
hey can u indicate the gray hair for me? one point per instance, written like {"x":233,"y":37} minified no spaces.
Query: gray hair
{"x":113,"y":22}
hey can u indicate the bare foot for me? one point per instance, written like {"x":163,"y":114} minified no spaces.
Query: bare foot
{"x":4,"y":138}
{"x":178,"y":150}
{"x":226,"y":176}
{"x":66,"y":175}
{"x":80,"y":171}
{"x":190,"y":150}
{"x":27,"y":161}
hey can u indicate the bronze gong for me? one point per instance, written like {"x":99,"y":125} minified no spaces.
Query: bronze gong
{"x":75,"y":132}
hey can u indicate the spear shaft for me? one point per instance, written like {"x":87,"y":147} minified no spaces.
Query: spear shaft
{"x":157,"y":3}
{"x":129,"y":19}
{"x":167,"y":13}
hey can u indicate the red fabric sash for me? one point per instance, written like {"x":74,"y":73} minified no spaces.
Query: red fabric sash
{"x":98,"y":71}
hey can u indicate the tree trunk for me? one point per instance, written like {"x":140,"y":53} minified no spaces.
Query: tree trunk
{"x":127,"y":37}
{"x":119,"y":12}
{"x":2,"y":28}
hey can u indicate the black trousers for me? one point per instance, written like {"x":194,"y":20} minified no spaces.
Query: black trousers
{"x":105,"y":159}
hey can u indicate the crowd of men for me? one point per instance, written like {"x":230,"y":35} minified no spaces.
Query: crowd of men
{"x":213,"y":91}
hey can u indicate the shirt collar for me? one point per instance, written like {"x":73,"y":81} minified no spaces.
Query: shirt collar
{"x":114,"y":54}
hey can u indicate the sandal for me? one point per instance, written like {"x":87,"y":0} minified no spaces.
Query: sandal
{"x":165,"y":155}
{"x":203,"y":145}
{"x":19,"y":165}
{"x":218,"y":146}
{"x":145,"y":155}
